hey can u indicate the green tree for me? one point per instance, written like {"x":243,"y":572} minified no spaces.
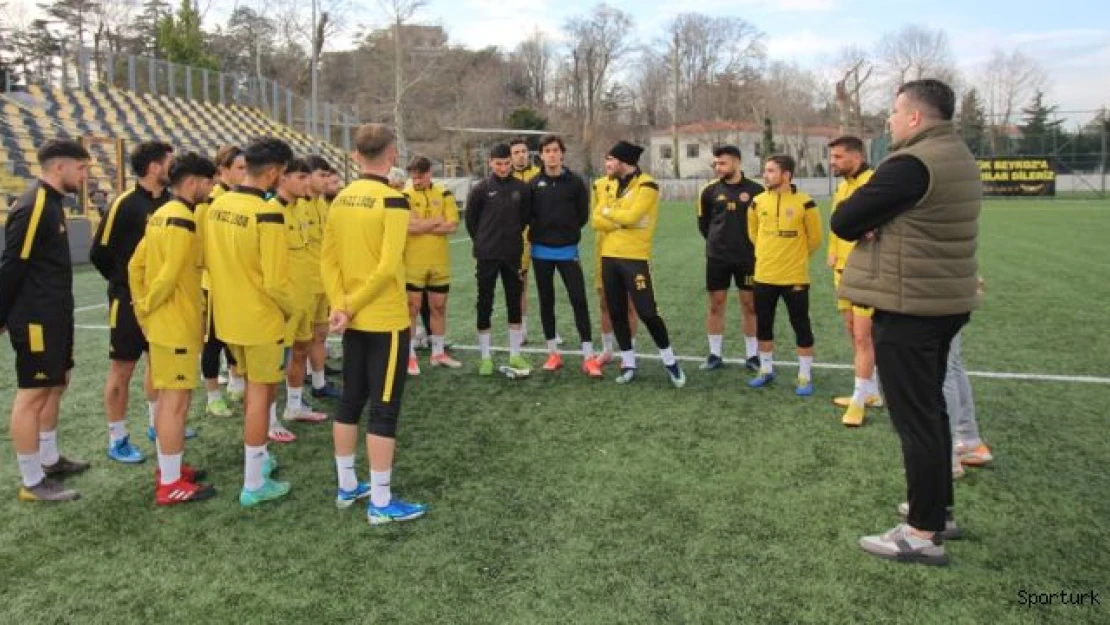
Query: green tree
{"x":973,"y":121}
{"x":181,"y":40}
{"x":1038,"y":130}
{"x":526,"y":118}
{"x":77,"y":15}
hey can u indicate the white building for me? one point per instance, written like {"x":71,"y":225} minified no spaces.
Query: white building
{"x":809,"y":146}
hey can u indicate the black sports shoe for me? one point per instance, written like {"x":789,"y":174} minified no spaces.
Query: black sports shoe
{"x":752,"y":364}
{"x":712,"y":362}
{"x":64,"y":466}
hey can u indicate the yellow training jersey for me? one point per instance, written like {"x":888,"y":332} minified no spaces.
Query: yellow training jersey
{"x":248,"y":260}
{"x":628,"y":218}
{"x":313,"y":214}
{"x":363,"y":255}
{"x":430,"y":249}
{"x":839,"y":247}
{"x":303,"y":266}
{"x":603,"y":189}
{"x":164,"y":274}
{"x":526,"y":174}
{"x":785,"y":229}
{"x":201,"y":215}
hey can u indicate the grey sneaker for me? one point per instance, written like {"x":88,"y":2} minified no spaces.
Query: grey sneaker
{"x":902,"y":545}
{"x":49,"y":489}
{"x":951,"y":530}
{"x":627,"y":375}
{"x":64,"y":466}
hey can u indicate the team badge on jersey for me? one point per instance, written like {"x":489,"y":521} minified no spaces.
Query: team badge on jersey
{"x":744,"y":197}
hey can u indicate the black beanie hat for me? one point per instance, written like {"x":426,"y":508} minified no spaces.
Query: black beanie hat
{"x":626,"y":152}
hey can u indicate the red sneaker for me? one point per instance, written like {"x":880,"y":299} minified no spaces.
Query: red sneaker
{"x":592,"y":368}
{"x":182,"y":492}
{"x":189,"y":473}
{"x":554,"y":362}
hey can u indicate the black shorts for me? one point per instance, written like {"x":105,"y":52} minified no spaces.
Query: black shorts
{"x":126,"y":342}
{"x":43,"y":352}
{"x":374,"y":370}
{"x":720,"y":276}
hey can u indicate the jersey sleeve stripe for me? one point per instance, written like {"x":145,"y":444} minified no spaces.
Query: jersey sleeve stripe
{"x":810,"y":204}
{"x":650,"y":185}
{"x":397,"y":202}
{"x":112,"y":216}
{"x":271,"y":218}
{"x":33,"y":224}
{"x":181,"y":222}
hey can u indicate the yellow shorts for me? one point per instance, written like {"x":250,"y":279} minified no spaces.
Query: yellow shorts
{"x":526,"y":258}
{"x":843,"y":305}
{"x":174,"y":368}
{"x":320,"y":310}
{"x":260,"y":364}
{"x":298,"y":329}
{"x":420,"y":277}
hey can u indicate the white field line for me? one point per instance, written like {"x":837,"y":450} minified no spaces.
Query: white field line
{"x":994,"y":375}
{"x":90,"y":307}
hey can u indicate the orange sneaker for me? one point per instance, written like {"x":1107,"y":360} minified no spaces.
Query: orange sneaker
{"x":554,"y":362}
{"x":604,"y":358}
{"x":592,"y":368}
{"x":414,"y":366}
{"x":978,"y":457}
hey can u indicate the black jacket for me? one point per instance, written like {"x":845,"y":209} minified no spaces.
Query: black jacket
{"x":560,"y":209}
{"x":497,"y":210}
{"x":723,"y":220}
{"x":36,"y":275}
{"x":119,"y":233}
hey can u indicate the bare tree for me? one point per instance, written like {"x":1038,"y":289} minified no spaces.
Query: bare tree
{"x":399,"y":13}
{"x":1007,"y":81}
{"x":702,"y":49}
{"x":915,"y":52}
{"x":855,"y":69}
{"x":535,"y":56}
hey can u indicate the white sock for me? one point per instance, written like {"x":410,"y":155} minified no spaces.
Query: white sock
{"x":255,"y":462}
{"x":805,"y":367}
{"x":412,"y":348}
{"x":48,"y":447}
{"x":751,"y":346}
{"x":437,"y":345}
{"x":766,"y":362}
{"x":215,"y":395}
{"x":380,"y":495}
{"x":628,"y":359}
{"x":319,"y":380}
{"x":273,"y":416}
{"x":716,"y":344}
{"x":587,"y":349}
{"x":552,"y":346}
{"x":117,"y":430}
{"x":483,"y":344}
{"x":607,"y":342}
{"x":523,"y":327}
{"x":667,"y":354}
{"x":235,"y":383}
{"x":516,"y":337}
{"x":30,"y":469}
{"x":170,"y":465}
{"x":863,"y":387}
{"x":293,"y":398}
{"x":151,"y":411}
{"x":345,"y":469}
{"x":873,"y":383}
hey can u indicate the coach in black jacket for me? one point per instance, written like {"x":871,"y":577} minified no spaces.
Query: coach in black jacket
{"x":497,"y":210}
{"x":560,"y":209}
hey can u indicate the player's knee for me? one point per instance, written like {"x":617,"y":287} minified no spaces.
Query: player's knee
{"x":383,"y":421}
{"x":347,"y":415}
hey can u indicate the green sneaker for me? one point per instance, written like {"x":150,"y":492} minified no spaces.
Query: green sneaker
{"x":521,"y":364}
{"x":270,"y":467}
{"x":486,"y":367}
{"x":271,"y":490}
{"x":236,"y":396}
{"x":218,"y":408}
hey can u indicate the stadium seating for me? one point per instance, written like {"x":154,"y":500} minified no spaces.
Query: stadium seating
{"x":41,"y":113}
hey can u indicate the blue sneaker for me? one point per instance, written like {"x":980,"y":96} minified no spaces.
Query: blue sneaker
{"x":804,"y":388}
{"x":151,"y":435}
{"x":762,"y":380}
{"x":678,"y":378}
{"x":327,"y":391}
{"x":397,"y":510}
{"x":270,"y":467}
{"x":123,"y":451}
{"x":269,"y":491}
{"x":344,"y":498}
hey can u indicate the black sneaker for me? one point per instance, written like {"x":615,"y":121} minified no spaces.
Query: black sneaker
{"x":332,"y":371}
{"x":327,"y":391}
{"x":712,"y":362}
{"x":752,"y":364}
{"x":64,"y":466}
{"x":48,"y":489}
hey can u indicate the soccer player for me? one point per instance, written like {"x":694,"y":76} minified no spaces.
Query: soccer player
{"x":313,"y":212}
{"x":334,"y":184}
{"x":36,"y":307}
{"x":231,"y":166}
{"x":525,"y":171}
{"x":729,"y":255}
{"x":252,"y":298}
{"x":497,"y":210}
{"x":560,"y":209}
{"x":433,"y":216}
{"x":629,"y":221}
{"x":364,"y":274}
{"x":785,"y":227}
{"x":604,"y":191}
{"x":847,"y":160}
{"x":968,"y":449}
{"x":164,"y":275}
{"x":304,"y":270}
{"x":115,"y":241}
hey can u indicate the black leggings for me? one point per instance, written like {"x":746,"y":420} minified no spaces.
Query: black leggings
{"x":210,"y":355}
{"x":374,"y":372}
{"x":620,"y":279}
{"x":426,"y":312}
{"x":575,"y":282}
{"x":486,"y":274}
{"x":797,"y":306}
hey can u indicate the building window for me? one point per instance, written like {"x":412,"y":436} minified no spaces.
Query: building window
{"x":692,"y":150}
{"x":665,"y":152}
